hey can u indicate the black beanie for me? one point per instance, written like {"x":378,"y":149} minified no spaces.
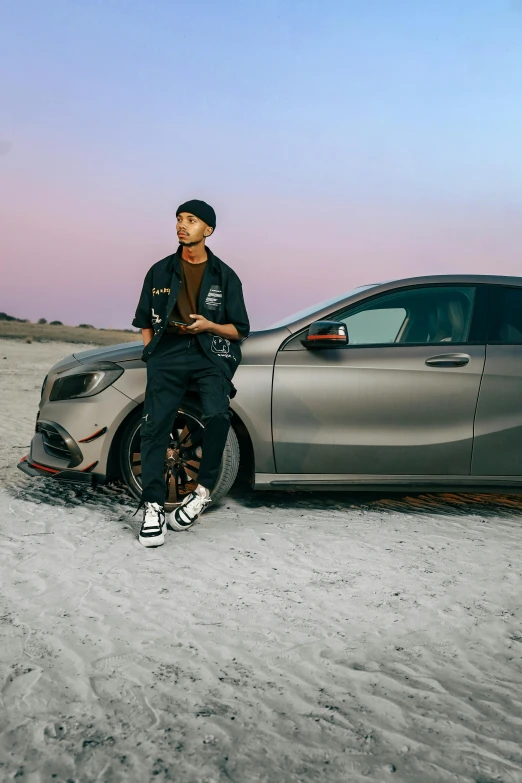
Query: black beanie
{"x":199,"y":209}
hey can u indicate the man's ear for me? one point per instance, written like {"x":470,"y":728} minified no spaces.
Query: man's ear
{"x":208,"y":231}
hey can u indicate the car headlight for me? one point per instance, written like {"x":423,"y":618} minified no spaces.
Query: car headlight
{"x":84,"y":381}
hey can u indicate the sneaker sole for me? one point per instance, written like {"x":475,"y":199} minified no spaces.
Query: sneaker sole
{"x":172,"y":524}
{"x":153,"y":541}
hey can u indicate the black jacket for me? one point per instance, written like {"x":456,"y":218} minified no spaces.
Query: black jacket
{"x":220,"y":300}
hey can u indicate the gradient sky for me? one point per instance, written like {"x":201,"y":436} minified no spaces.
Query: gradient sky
{"x":341,"y":142}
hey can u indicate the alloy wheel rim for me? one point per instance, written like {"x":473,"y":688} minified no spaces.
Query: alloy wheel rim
{"x":182,"y":459}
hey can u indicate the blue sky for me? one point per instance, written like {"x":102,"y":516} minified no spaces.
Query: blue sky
{"x":340,"y":143}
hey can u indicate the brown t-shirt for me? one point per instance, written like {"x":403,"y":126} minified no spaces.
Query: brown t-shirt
{"x":187,"y":302}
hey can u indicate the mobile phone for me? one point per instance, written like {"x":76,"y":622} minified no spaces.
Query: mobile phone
{"x":179,"y":323}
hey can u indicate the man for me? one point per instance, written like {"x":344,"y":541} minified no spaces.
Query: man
{"x":195,"y":288}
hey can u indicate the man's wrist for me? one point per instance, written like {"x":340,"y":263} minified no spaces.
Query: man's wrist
{"x":223,"y":330}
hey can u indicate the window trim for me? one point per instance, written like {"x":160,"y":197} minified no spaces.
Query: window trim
{"x":494,"y":301}
{"x":478,"y":325}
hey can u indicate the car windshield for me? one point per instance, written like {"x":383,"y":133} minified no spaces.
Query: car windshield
{"x":319,"y":306}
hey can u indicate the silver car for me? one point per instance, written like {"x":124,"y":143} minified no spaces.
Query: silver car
{"x":411,"y":384}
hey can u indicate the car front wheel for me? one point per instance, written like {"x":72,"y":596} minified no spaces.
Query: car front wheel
{"x":182,"y":458}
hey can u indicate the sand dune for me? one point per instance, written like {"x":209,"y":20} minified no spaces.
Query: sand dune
{"x":287,"y":637}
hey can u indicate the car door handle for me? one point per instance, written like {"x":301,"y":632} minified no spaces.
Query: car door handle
{"x":448,"y":360}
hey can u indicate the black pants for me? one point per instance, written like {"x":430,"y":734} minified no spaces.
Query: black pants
{"x":176,"y":361}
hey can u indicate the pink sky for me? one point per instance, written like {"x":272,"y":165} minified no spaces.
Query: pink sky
{"x":340,"y":143}
{"x":79,"y":256}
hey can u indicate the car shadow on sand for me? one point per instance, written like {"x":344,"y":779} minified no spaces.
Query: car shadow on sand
{"x":444,"y":503}
{"x":114,"y":500}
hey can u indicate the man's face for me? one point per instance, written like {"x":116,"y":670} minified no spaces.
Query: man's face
{"x":191,"y":230}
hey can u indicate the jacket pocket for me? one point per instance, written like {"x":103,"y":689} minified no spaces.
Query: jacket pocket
{"x":214,"y":298}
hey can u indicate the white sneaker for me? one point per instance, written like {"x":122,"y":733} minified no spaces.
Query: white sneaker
{"x":193,"y":505}
{"x":153,"y":527}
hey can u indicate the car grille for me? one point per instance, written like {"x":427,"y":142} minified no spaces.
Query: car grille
{"x":53,"y":442}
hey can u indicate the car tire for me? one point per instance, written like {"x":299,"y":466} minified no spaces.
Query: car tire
{"x":189,"y":411}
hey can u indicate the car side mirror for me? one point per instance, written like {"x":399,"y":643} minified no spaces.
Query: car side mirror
{"x":326,"y":334}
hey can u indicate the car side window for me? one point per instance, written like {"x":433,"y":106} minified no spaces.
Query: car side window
{"x":428,"y":314}
{"x":505,"y":323}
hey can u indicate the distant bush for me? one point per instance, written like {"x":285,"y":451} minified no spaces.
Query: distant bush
{"x":42,"y":320}
{"x":86,"y":326}
{"x":131,"y":331}
{"x":56,"y":323}
{"x":5,"y":317}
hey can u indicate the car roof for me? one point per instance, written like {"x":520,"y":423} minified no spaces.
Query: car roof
{"x":455,"y":278}
{"x":375,"y":288}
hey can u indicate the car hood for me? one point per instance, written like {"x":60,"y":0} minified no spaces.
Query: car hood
{"x":131,"y":352}
{"x":123,"y":352}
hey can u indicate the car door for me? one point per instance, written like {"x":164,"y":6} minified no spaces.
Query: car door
{"x":497,"y":449}
{"x":400,"y":399}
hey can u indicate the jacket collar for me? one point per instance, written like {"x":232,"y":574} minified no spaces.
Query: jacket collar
{"x":176,"y":260}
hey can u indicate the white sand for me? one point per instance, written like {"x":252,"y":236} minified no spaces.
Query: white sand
{"x":285,"y":638}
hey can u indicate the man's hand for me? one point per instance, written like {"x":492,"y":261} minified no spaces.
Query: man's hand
{"x":201,"y":324}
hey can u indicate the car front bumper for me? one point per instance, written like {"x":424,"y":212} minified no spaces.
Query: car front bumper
{"x":73,"y":437}
{"x":34,"y":469}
